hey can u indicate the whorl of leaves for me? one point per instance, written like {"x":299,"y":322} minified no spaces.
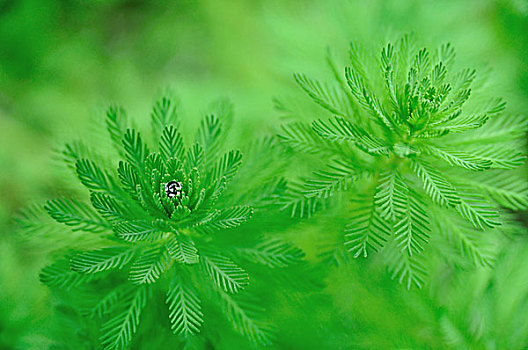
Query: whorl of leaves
{"x":153,"y":237}
{"x":414,"y":142}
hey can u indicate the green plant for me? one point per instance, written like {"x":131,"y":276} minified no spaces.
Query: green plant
{"x":166,"y":224}
{"x":422,"y":161}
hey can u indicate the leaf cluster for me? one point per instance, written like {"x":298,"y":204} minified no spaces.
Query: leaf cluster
{"x":160,"y":237}
{"x":405,"y":140}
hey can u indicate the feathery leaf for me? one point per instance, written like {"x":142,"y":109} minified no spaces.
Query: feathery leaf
{"x":225,"y":273}
{"x":329,"y":98}
{"x":107,"y":206}
{"x":366,"y":229}
{"x":195,"y":158}
{"x":210,"y":136}
{"x":477,"y":209}
{"x":149,"y":266}
{"x":60,"y":275}
{"x":76,"y":214}
{"x":185,"y":310}
{"x":135,"y":151}
{"x":273,"y":253}
{"x":226,"y":167}
{"x":181,"y":248}
{"x":464,"y":160}
{"x":437,"y":187}
{"x":336,"y":177}
{"x":302,"y":138}
{"x":389,"y":194}
{"x":164,"y":113}
{"x":116,"y":124}
{"x":246,"y":316}
{"x":229,"y":217}
{"x":101,"y":260}
{"x":412,"y":227}
{"x":464,"y":237}
{"x":117,"y":331}
{"x":294,"y":199}
{"x":92,"y":176}
{"x":409,"y":270}
{"x":171,"y":144}
{"x":129,"y":179}
{"x":138,"y":230}
{"x":509,"y":190}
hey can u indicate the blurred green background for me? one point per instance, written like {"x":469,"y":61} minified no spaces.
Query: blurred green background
{"x":63,"y":61}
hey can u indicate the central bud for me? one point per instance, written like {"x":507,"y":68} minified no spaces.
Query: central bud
{"x":173,"y":188}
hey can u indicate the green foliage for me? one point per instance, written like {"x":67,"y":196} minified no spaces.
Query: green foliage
{"x":159,"y":217}
{"x":336,"y":177}
{"x":149,"y":266}
{"x":245,"y":314}
{"x":165,"y":112}
{"x":102,"y":259}
{"x":406,"y":140}
{"x":182,"y":249}
{"x":117,"y":331}
{"x":185,"y":310}
{"x":60,"y":58}
{"x":297,"y":202}
{"x":225,"y":273}
{"x":116,"y":124}
{"x":171,"y":144}
{"x":229,"y":218}
{"x":273,"y":253}
{"x":76,"y":214}
{"x":366,"y":230}
{"x":59,"y":274}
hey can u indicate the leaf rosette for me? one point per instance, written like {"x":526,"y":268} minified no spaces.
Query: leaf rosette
{"x":158,"y":215}
{"x":419,"y":155}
